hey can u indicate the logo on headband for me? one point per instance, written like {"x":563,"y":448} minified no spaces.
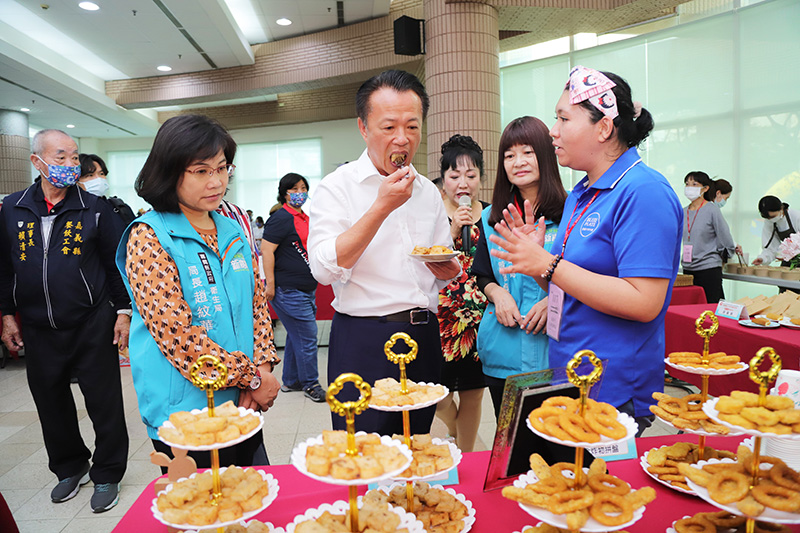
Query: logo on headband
{"x":588,"y":84}
{"x":603,"y":103}
{"x":587,"y":81}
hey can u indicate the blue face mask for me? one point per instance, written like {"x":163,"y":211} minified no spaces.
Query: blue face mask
{"x":62,"y":176}
{"x":297,"y":199}
{"x":721,"y":203}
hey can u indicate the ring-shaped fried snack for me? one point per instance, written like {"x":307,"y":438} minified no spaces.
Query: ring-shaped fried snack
{"x":577,"y":427}
{"x":539,"y":414}
{"x":550,"y":485}
{"x":570,"y":501}
{"x":775,"y":497}
{"x":725,"y":519}
{"x":609,"y":483}
{"x":728,"y":486}
{"x":695,"y":524}
{"x":783,"y":476}
{"x":600,"y":509}
{"x":763,"y":460}
{"x":603,"y":408}
{"x":554,"y":429}
{"x":562,"y":402}
{"x":672,"y":405}
{"x":558,"y":471}
{"x":768,"y":527}
{"x":606,"y":425}
{"x":693,"y":402}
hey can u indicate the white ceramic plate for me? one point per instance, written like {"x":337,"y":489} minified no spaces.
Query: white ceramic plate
{"x":469,"y":520}
{"x":340,"y":507}
{"x":740,"y":367}
{"x":413,"y":407}
{"x":769,"y":514}
{"x":298,"y":459}
{"x":455,"y":453}
{"x":270,"y":526}
{"x":433,"y":258}
{"x":710,"y":408}
{"x":751,"y":324}
{"x":630,"y":425}
{"x":645,"y":465}
{"x":217,"y":445}
{"x":560,"y":520}
{"x":788,"y":323}
{"x":265,"y":502}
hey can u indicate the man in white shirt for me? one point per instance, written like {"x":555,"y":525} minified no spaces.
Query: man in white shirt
{"x":365,"y":219}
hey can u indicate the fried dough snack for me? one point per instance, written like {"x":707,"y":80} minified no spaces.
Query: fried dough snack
{"x":189,"y":500}
{"x":254,"y":526}
{"x":719,"y":360}
{"x":723,"y":522}
{"x":685,"y":413}
{"x":664,"y":461}
{"x":778,"y":415}
{"x":433,"y":250}
{"x":428,"y":458}
{"x":547,"y":528}
{"x":373,"y":517}
{"x":606,"y":498}
{"x":398,"y":159}
{"x":386,"y":393}
{"x":559,"y":417}
{"x":729,"y":483}
{"x":437,"y":509}
{"x":226,"y":425}
{"x":373,"y":459}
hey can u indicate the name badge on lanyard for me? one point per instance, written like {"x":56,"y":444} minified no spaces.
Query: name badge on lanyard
{"x":555,"y":307}
{"x":687,"y":253}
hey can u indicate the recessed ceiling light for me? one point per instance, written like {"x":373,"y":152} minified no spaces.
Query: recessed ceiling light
{"x":24,"y":109}
{"x":283,"y":22}
{"x":89,"y":6}
{"x":164,"y":68}
{"x":70,"y":125}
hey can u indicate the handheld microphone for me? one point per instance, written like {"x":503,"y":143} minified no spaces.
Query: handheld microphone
{"x":466,"y":230}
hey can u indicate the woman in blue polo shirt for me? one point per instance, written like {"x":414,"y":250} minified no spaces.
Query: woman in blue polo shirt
{"x":617,"y":250}
{"x":291,"y":287}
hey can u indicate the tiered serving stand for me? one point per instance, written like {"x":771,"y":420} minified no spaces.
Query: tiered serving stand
{"x":209,"y":385}
{"x":763,"y":379}
{"x":584,"y":383}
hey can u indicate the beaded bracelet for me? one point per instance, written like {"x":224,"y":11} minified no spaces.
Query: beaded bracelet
{"x":548,"y":275}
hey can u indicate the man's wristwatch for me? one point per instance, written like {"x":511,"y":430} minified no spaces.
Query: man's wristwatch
{"x":255,"y":383}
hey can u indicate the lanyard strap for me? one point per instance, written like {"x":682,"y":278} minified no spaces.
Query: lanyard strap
{"x":571,"y":225}
{"x":689,"y":227}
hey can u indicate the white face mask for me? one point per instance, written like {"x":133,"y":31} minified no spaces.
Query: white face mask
{"x":96,"y":186}
{"x":780,"y":222}
{"x":692,"y":193}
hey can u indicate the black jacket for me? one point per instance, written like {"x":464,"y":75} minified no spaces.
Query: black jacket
{"x":56,"y":268}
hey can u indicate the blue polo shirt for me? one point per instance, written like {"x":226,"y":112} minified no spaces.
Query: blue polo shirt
{"x":631,"y":230}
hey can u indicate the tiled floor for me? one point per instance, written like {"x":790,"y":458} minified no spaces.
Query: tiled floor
{"x":25,"y":480}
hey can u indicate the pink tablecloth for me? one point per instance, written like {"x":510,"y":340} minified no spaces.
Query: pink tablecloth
{"x":495,"y":514}
{"x":732,"y":338}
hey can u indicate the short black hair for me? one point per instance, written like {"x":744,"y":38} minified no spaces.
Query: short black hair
{"x":399,"y":80}
{"x":88,"y":161}
{"x":459,"y":146}
{"x":287,"y":182}
{"x":180,"y":141}
{"x":770,"y":203}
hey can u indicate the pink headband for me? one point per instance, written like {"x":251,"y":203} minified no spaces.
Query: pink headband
{"x":589,"y":84}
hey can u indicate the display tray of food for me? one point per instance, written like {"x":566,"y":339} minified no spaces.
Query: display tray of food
{"x":686,"y":414}
{"x":334,"y":518}
{"x":324,"y":458}
{"x":725,"y":484}
{"x":596,"y":502}
{"x":196,"y":431}
{"x":661,"y":464}
{"x":388,"y":396}
{"x":718,"y":363}
{"x":721,"y":522}
{"x":558,"y":420}
{"x":760,"y":321}
{"x":440,"y":510}
{"x":430,"y":457}
{"x":541,"y":527}
{"x":186,"y":504}
{"x":253,"y":526}
{"x":740,"y":412}
{"x":433,"y":254}
{"x":793,"y":323}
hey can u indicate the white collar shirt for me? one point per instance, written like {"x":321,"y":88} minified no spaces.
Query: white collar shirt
{"x":385,"y":279}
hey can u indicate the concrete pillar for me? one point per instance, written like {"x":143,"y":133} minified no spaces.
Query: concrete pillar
{"x":462,"y":76}
{"x":15,"y":152}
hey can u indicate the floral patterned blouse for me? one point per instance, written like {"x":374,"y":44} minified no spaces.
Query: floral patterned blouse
{"x":461,"y":306}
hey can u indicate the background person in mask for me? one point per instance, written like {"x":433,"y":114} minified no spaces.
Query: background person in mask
{"x":706,"y":236}
{"x":779,"y":223}
{"x":93,"y":179}
{"x":291,"y":288}
{"x":57,"y":270}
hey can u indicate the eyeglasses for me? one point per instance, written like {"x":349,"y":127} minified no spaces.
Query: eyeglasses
{"x":210,"y":172}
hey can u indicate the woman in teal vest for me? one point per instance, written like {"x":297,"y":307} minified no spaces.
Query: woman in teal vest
{"x":511,"y":337}
{"x":194,"y":286}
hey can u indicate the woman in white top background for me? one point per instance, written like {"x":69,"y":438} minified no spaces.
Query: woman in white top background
{"x":779,"y":223}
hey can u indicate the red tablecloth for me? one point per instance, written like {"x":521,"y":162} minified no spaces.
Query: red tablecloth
{"x":495,"y":514}
{"x":732,"y":338}
{"x":691,"y":294}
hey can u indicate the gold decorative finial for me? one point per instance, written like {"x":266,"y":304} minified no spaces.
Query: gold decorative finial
{"x":584,"y":382}
{"x":349,"y":410}
{"x":401,"y":359}
{"x":763,"y":379}
{"x":706,"y":333}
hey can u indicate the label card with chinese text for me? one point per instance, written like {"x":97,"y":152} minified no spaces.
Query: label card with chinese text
{"x":731,"y":310}
{"x":615,"y":452}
